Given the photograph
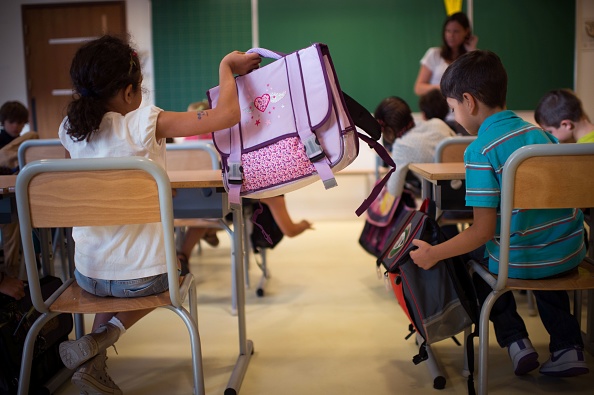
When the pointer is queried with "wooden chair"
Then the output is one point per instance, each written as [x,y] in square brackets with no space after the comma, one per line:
[195,155]
[543,176]
[29,151]
[100,192]
[32,150]
[451,150]
[199,154]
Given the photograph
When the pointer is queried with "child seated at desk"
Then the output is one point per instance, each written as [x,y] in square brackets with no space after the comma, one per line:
[105,120]
[544,243]
[560,112]
[13,118]
[410,142]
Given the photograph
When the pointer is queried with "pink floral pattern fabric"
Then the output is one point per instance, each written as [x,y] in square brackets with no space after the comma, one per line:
[275,164]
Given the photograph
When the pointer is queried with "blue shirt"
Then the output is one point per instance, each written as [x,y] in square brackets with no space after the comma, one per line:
[543,242]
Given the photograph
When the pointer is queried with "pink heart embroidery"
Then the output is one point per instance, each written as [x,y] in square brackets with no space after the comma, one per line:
[262,102]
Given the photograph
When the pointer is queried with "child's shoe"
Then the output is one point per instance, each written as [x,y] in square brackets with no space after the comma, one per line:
[76,352]
[523,356]
[565,363]
[92,378]
[211,237]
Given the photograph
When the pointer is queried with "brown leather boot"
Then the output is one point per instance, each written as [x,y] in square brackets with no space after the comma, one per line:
[76,352]
[92,378]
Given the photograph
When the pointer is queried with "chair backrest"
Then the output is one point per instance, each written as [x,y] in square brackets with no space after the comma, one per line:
[545,176]
[32,150]
[550,176]
[452,149]
[59,193]
[195,155]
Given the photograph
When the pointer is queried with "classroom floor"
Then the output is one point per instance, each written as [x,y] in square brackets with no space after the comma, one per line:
[326,325]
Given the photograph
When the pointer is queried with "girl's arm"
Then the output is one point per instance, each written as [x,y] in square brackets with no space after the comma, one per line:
[422,84]
[481,231]
[224,115]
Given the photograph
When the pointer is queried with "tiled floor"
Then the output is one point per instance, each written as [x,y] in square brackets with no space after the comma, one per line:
[326,325]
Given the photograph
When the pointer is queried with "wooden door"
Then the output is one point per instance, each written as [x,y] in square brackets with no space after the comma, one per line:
[52,34]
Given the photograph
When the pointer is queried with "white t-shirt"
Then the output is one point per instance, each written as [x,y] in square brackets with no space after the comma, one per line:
[128,251]
[416,146]
[434,62]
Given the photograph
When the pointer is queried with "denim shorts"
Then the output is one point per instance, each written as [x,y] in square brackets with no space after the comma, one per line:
[123,288]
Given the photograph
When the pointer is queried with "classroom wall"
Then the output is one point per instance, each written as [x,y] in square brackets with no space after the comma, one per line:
[376,45]
[13,85]
[310,202]
[585,56]
[355,27]
[12,67]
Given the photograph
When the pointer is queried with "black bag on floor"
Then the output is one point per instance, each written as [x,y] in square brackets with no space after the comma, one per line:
[16,317]
[440,302]
[266,232]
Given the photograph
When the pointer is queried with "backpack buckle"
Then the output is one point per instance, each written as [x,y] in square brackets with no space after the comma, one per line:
[313,149]
[235,173]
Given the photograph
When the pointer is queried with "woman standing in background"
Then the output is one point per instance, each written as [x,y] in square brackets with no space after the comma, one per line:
[457,39]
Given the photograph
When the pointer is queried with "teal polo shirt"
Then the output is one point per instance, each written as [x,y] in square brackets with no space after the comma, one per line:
[543,242]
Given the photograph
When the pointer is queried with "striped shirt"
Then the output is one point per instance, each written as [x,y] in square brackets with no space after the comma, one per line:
[543,242]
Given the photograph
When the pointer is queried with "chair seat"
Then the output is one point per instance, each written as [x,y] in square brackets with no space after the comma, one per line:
[582,278]
[76,300]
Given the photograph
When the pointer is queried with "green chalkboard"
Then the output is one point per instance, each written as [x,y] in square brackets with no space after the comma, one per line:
[376,45]
[189,40]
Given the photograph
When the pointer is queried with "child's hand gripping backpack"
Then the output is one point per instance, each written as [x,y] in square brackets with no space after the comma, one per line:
[296,127]
[440,302]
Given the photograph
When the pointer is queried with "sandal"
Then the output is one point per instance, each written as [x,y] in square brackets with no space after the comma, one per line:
[211,238]
[184,262]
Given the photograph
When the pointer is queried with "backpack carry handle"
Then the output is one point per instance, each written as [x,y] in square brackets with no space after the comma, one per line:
[266,53]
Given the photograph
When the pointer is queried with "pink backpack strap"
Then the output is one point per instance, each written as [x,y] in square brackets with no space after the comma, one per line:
[385,155]
[235,171]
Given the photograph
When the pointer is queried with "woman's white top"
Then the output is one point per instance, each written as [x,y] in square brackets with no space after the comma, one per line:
[434,62]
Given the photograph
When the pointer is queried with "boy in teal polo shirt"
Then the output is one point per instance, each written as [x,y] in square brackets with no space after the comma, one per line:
[544,242]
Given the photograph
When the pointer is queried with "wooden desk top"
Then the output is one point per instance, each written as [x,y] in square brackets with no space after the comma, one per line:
[7,184]
[195,178]
[439,171]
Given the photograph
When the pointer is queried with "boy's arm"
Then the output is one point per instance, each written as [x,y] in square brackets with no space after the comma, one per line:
[482,230]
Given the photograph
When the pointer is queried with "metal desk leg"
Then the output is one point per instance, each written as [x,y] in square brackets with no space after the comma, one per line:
[426,189]
[234,257]
[246,249]
[246,347]
[588,336]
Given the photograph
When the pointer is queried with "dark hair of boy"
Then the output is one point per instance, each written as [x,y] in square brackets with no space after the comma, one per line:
[14,111]
[479,73]
[558,105]
[434,105]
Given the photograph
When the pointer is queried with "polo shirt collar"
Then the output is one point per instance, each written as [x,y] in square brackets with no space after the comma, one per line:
[497,117]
